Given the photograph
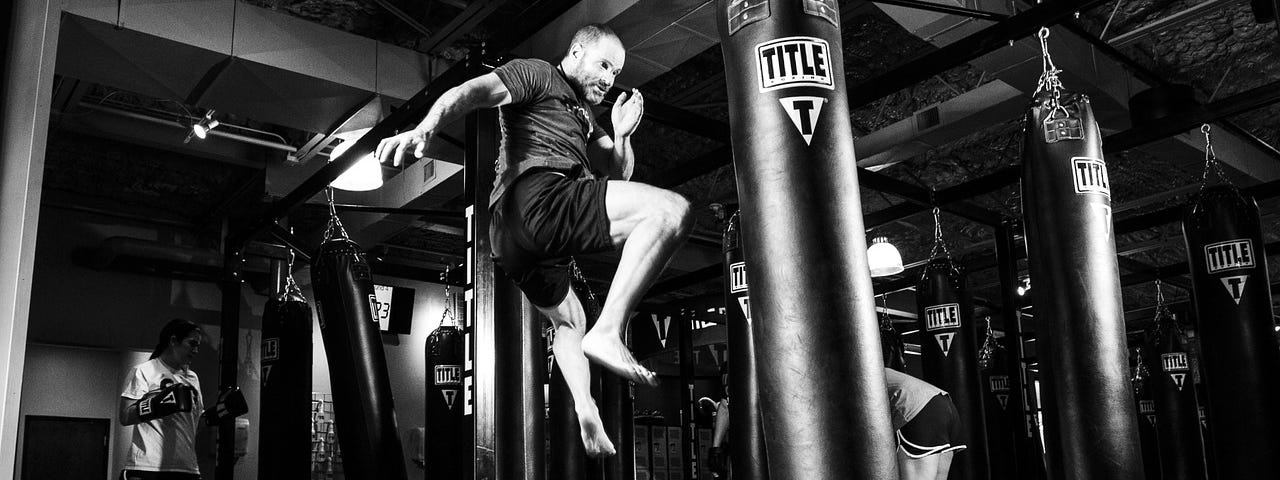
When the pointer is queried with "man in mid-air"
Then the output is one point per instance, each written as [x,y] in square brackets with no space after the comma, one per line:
[563,189]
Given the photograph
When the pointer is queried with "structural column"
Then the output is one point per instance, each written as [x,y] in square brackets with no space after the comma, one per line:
[502,378]
[30,42]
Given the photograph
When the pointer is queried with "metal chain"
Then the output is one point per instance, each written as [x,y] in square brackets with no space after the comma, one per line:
[1211,160]
[938,242]
[1140,372]
[1049,81]
[986,354]
[448,317]
[334,230]
[578,277]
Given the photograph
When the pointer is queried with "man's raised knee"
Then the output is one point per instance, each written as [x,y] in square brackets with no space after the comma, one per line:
[679,214]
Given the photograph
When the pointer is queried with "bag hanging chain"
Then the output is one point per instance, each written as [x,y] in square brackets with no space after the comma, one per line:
[986,354]
[1211,160]
[939,245]
[448,317]
[576,273]
[291,288]
[1049,81]
[1140,372]
[334,230]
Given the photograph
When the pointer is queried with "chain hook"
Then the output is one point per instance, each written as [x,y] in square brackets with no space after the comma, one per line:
[1211,160]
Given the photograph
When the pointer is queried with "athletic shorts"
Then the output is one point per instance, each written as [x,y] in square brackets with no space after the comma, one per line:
[936,429]
[541,221]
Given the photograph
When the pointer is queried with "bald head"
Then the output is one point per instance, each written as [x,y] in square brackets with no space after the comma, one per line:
[594,58]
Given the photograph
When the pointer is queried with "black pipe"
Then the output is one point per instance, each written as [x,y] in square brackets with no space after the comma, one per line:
[229,364]
[947,9]
[1026,449]
[688,402]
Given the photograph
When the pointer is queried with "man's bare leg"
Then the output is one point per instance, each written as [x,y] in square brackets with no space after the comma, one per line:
[570,322]
[648,223]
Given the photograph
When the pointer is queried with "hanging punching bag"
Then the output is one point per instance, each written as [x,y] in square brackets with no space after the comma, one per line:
[949,355]
[1090,430]
[891,345]
[813,315]
[1239,354]
[448,434]
[1173,389]
[1147,422]
[285,398]
[997,399]
[362,403]
[746,451]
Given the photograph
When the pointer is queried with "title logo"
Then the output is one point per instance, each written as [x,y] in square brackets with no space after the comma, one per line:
[1090,175]
[942,316]
[794,62]
[738,277]
[448,375]
[1229,255]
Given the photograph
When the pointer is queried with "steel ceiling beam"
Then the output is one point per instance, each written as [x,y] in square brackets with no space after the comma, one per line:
[462,24]
[964,50]
[944,8]
[1239,103]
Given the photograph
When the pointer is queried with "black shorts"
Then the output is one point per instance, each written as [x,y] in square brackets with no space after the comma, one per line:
[542,220]
[936,429]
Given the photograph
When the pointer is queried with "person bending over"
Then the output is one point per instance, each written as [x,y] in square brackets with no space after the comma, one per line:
[161,401]
[562,189]
[927,424]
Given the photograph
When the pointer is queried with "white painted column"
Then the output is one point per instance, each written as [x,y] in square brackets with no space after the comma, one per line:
[24,125]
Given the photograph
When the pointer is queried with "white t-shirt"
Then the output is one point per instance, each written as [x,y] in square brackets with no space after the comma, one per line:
[166,444]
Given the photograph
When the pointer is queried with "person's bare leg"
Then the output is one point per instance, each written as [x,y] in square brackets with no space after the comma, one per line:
[649,223]
[925,468]
[570,322]
[944,465]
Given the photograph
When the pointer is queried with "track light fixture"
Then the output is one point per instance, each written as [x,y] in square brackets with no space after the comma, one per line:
[201,129]
[365,175]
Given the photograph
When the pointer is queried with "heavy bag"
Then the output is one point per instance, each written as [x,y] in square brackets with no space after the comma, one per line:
[362,403]
[746,450]
[1148,435]
[813,307]
[1090,431]
[1238,349]
[285,398]
[448,433]
[892,346]
[949,355]
[997,400]
[1173,389]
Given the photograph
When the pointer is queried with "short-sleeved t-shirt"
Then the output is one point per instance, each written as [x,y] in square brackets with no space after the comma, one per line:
[166,444]
[546,125]
[907,395]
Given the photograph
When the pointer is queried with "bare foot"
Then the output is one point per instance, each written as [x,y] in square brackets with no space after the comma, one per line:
[594,439]
[609,352]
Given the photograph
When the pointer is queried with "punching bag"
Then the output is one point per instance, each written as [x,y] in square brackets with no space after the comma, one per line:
[1090,430]
[448,434]
[1174,391]
[363,408]
[891,345]
[997,399]
[1148,435]
[949,355]
[1239,355]
[746,450]
[813,317]
[285,433]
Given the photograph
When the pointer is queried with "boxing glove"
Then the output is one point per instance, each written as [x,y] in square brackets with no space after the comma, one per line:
[230,404]
[171,398]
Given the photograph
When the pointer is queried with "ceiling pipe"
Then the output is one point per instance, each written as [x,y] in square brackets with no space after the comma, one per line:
[217,133]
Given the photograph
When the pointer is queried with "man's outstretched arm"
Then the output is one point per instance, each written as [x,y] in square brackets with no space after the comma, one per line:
[485,91]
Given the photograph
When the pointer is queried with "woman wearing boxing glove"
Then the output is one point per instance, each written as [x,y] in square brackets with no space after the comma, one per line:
[161,401]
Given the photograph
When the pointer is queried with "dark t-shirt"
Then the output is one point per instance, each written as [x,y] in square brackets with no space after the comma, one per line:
[546,125]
